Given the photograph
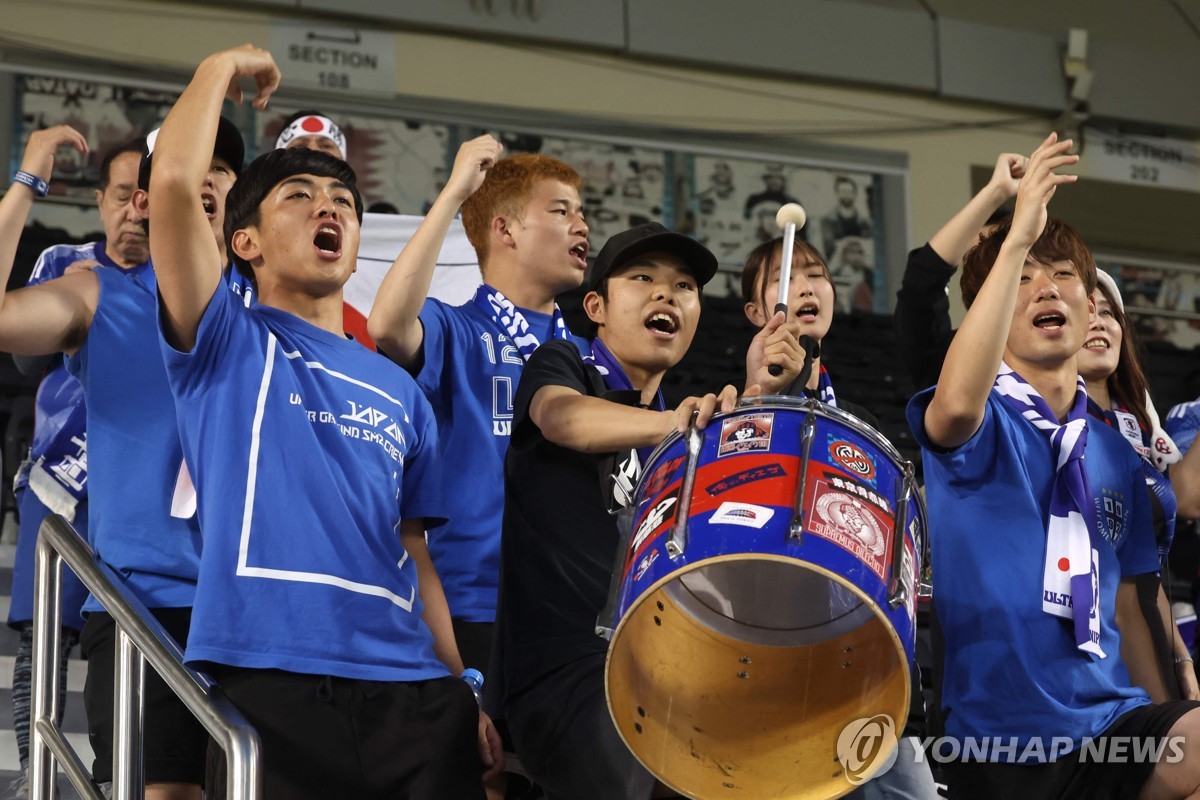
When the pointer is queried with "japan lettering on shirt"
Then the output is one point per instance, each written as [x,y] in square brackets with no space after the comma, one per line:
[360,416]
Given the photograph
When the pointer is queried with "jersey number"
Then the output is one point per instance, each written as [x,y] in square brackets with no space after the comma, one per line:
[508,353]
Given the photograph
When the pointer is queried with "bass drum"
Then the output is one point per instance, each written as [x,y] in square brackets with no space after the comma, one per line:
[764,604]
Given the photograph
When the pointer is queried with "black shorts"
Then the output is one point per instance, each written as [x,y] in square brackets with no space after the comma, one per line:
[474,641]
[328,738]
[175,743]
[1081,774]
[567,740]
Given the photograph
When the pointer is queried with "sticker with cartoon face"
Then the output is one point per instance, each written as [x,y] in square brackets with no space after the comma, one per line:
[746,433]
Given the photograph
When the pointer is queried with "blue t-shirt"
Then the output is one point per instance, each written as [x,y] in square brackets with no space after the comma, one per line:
[1182,424]
[134,449]
[59,447]
[307,451]
[1012,670]
[57,472]
[470,374]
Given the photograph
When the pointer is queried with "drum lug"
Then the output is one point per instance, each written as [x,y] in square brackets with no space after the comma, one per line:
[808,433]
[677,543]
[895,585]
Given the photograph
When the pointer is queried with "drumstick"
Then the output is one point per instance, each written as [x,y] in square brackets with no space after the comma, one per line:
[790,217]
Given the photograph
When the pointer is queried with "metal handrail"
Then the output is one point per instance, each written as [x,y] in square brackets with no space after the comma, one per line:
[140,638]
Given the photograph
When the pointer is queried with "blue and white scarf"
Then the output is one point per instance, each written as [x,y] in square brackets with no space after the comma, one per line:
[825,388]
[1071,578]
[616,380]
[510,320]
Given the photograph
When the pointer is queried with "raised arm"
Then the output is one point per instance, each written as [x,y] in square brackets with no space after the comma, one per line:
[594,425]
[959,235]
[187,262]
[53,316]
[957,408]
[394,323]
[922,316]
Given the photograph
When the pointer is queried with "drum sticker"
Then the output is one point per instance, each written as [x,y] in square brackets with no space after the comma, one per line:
[852,524]
[662,477]
[645,564]
[751,475]
[852,459]
[750,516]
[745,433]
[658,516]
[864,492]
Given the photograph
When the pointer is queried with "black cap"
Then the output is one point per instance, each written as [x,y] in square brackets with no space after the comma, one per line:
[650,238]
[229,147]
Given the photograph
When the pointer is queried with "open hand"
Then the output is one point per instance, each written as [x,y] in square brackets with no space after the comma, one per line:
[1038,185]
[701,409]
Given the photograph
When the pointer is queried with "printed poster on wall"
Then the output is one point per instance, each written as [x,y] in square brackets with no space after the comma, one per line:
[106,114]
[1163,299]
[735,202]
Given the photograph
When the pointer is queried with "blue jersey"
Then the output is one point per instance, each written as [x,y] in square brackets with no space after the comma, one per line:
[135,450]
[307,451]
[470,375]
[1183,423]
[1012,670]
[58,455]
[55,476]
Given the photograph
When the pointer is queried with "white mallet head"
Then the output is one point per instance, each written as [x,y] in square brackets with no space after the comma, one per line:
[791,212]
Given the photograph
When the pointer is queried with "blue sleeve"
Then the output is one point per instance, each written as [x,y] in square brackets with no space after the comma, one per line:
[191,373]
[438,336]
[1182,424]
[51,264]
[970,461]
[421,485]
[1138,552]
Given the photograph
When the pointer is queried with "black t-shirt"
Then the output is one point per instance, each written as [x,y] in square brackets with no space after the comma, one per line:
[560,543]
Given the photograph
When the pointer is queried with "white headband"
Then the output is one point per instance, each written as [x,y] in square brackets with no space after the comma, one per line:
[313,125]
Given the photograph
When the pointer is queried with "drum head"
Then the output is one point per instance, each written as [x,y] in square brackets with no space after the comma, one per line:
[735,677]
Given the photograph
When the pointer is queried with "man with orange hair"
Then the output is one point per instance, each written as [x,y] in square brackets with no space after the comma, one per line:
[524,218]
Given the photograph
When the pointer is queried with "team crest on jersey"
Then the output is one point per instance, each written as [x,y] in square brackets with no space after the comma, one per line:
[1116,517]
[746,434]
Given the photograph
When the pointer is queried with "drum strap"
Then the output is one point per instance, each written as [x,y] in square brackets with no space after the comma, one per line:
[1071,577]
[824,389]
[511,321]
